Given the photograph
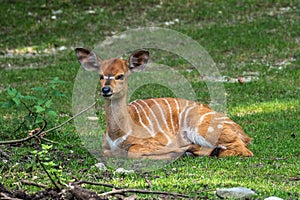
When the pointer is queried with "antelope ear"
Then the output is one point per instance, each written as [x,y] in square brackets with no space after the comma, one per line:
[138,60]
[88,59]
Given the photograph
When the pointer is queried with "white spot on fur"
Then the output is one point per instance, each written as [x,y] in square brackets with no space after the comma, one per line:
[210,129]
[220,126]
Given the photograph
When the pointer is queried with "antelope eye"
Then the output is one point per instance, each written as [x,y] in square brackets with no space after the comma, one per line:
[101,77]
[120,77]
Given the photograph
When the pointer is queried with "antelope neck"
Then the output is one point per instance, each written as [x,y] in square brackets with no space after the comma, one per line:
[117,117]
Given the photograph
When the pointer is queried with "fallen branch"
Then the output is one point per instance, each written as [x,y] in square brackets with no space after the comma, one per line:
[95,183]
[123,191]
[47,131]
[70,119]
[3,196]
[27,138]
[295,179]
[26,182]
[83,194]
[49,141]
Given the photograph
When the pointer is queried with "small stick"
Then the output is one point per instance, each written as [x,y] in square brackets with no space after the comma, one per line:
[49,176]
[147,180]
[122,191]
[67,121]
[5,197]
[95,183]
[27,138]
[50,141]
[26,182]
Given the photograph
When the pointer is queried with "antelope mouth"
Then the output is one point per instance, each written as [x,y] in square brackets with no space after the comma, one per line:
[107,95]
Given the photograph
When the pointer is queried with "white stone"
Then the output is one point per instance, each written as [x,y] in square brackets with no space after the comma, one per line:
[273,198]
[124,171]
[236,192]
[92,118]
[101,166]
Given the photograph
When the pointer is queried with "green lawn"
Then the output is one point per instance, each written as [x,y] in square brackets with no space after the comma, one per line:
[250,39]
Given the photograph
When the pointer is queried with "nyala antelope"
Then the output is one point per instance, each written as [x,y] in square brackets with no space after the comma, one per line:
[158,128]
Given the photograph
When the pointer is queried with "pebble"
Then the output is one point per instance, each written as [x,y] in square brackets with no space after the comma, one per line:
[273,198]
[124,171]
[101,166]
[236,192]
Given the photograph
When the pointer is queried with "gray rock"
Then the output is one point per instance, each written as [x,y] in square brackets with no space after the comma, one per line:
[101,166]
[273,198]
[236,193]
[124,171]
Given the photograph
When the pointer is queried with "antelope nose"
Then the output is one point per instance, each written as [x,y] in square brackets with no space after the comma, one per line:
[106,90]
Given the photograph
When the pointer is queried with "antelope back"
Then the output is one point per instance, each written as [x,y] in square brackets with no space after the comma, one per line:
[168,118]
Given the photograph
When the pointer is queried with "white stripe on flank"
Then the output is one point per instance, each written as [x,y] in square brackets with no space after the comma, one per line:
[157,122]
[150,122]
[171,114]
[177,106]
[164,120]
[182,111]
[140,120]
[203,116]
[229,122]
[153,115]
[221,118]
[187,113]
[177,113]
[162,113]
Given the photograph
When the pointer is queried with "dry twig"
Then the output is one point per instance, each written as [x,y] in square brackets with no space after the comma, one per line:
[95,183]
[26,182]
[3,196]
[47,131]
[49,176]
[123,191]
[27,138]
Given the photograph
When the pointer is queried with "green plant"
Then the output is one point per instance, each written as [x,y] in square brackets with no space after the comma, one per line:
[52,169]
[37,104]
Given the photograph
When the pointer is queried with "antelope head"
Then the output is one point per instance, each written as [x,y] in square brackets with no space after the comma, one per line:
[113,72]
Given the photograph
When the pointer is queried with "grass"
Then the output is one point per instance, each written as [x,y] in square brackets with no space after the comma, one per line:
[243,37]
